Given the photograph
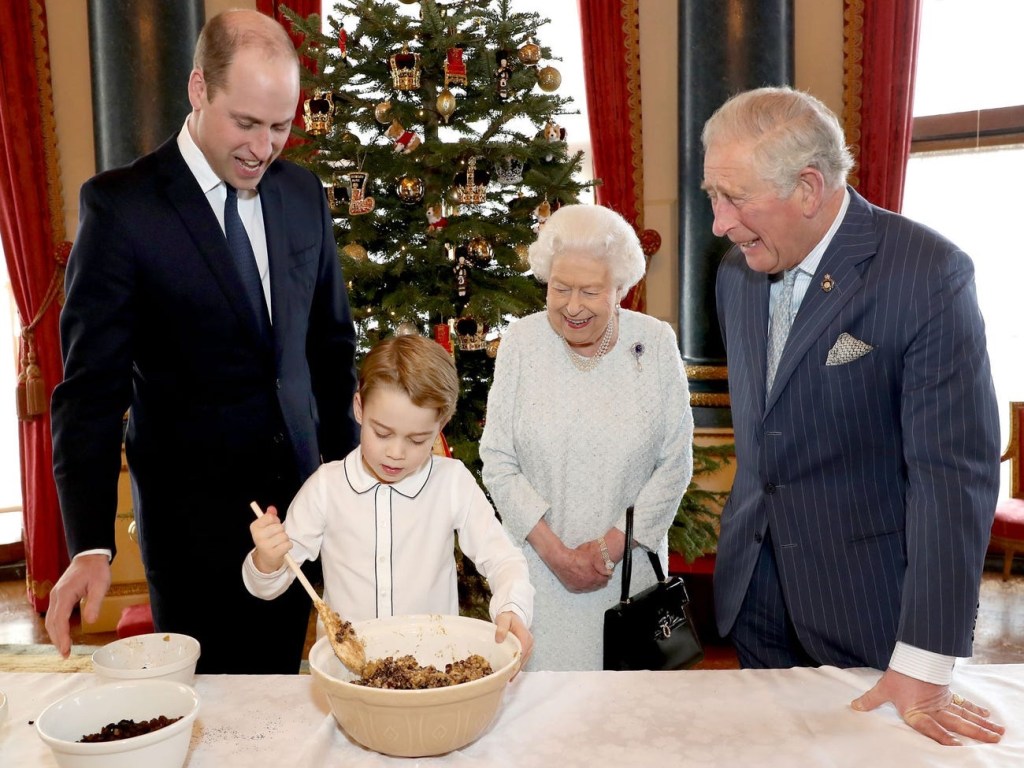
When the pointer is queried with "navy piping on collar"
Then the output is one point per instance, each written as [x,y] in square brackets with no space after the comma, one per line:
[393,486]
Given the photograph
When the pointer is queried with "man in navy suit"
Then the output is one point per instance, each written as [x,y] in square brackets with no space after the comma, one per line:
[233,395]
[867,438]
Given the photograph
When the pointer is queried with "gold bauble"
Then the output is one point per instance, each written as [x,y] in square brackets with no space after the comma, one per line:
[446,104]
[523,252]
[480,251]
[411,189]
[549,78]
[355,251]
[529,54]
[382,112]
[406,328]
[492,347]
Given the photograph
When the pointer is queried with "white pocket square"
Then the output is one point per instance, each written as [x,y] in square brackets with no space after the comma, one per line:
[847,349]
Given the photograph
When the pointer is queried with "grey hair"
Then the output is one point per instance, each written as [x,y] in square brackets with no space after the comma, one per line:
[595,231]
[790,130]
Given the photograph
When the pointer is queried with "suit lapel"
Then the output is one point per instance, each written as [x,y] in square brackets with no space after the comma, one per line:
[756,299]
[277,252]
[855,241]
[201,223]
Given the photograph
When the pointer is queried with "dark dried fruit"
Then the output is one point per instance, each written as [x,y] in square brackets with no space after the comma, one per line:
[125,729]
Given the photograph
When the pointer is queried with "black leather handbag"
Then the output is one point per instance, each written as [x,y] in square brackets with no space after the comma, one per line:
[652,630]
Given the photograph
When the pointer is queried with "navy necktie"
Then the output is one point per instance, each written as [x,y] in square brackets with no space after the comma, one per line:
[244,258]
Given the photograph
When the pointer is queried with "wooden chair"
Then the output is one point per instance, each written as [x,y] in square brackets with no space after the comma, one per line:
[1008,525]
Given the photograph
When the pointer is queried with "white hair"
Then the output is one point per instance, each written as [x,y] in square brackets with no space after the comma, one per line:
[595,231]
[790,130]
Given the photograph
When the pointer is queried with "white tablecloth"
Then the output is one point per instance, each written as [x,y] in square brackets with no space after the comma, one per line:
[798,717]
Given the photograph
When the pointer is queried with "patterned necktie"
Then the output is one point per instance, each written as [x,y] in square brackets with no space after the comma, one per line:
[782,320]
[245,259]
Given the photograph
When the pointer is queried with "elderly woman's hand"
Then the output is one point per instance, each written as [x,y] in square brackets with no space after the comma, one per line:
[580,570]
[583,569]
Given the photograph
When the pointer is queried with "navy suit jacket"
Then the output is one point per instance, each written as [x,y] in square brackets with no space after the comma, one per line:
[219,414]
[877,478]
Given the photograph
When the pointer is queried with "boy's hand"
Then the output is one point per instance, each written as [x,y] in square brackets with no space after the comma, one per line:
[272,543]
[509,621]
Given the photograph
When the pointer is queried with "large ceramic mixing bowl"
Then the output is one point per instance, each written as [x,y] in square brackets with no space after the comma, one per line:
[416,723]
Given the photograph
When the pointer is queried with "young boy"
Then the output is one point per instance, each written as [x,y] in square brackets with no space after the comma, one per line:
[384,518]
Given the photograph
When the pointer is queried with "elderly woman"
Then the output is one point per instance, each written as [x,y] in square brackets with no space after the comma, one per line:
[589,414]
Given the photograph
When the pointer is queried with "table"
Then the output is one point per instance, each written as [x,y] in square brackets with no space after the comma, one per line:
[735,718]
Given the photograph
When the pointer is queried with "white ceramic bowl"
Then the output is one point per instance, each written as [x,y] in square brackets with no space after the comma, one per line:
[156,656]
[67,720]
[421,722]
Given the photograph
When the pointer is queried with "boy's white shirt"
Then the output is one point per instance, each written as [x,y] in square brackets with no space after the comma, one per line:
[388,549]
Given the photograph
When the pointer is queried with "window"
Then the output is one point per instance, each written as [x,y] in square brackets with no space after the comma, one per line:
[10,461]
[967,159]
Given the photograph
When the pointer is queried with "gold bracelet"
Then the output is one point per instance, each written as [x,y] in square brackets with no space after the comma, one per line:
[604,553]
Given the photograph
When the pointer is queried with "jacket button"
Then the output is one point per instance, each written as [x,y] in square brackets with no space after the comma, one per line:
[758,538]
[769,488]
[278,438]
[277,383]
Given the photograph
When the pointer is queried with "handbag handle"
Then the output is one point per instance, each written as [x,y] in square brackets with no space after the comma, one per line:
[627,559]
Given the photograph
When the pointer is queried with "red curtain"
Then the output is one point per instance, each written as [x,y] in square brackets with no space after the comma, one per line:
[32,228]
[880,52]
[611,67]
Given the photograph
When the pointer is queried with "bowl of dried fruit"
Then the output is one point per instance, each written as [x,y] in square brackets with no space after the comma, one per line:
[157,656]
[127,724]
[432,684]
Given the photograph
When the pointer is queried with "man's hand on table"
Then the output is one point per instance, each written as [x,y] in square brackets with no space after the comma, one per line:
[930,709]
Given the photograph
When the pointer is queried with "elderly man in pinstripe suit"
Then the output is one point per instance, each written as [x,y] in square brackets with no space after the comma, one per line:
[865,420]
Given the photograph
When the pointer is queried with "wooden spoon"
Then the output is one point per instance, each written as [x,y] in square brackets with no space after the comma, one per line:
[346,644]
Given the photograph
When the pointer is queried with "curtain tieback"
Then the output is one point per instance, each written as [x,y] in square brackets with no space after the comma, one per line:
[31,390]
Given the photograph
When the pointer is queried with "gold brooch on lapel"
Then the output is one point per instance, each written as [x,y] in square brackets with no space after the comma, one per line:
[827,283]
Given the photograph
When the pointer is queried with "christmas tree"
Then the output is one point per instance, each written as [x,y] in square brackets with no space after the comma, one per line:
[434,126]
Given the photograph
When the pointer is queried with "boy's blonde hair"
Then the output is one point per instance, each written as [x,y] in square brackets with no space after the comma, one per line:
[415,365]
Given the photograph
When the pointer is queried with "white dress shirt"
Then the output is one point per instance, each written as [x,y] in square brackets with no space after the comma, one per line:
[388,549]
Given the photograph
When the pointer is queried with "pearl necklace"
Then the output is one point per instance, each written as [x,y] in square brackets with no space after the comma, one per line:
[589,363]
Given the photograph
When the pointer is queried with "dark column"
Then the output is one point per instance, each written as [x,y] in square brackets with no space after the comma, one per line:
[141,54]
[725,46]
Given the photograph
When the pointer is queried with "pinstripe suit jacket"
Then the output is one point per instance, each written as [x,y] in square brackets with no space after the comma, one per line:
[878,478]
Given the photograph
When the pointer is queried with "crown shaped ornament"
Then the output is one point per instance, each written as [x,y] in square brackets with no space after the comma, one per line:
[454,68]
[471,184]
[405,70]
[509,170]
[318,112]
[471,334]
